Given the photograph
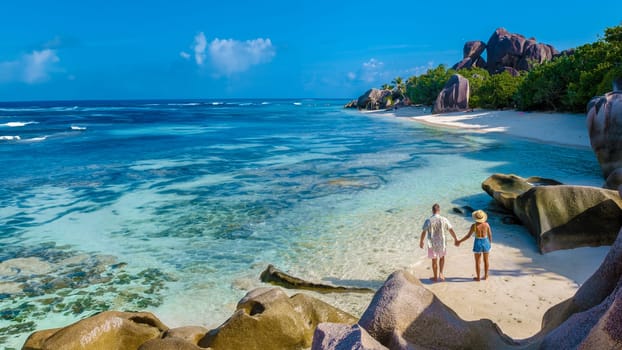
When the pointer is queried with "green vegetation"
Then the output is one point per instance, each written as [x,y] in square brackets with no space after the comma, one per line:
[566,83]
[427,86]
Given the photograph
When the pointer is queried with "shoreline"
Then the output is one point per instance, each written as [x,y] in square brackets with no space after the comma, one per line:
[523,283]
[564,129]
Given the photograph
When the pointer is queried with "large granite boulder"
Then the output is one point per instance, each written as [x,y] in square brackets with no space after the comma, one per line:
[374,99]
[190,334]
[472,52]
[266,318]
[566,217]
[168,344]
[535,53]
[473,49]
[110,330]
[333,336]
[504,188]
[454,96]
[591,319]
[405,315]
[470,62]
[504,49]
[604,124]
[513,52]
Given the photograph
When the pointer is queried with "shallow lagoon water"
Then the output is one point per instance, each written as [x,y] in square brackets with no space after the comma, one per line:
[176,207]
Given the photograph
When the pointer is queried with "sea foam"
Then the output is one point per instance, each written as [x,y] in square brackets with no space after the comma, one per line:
[10,138]
[17,124]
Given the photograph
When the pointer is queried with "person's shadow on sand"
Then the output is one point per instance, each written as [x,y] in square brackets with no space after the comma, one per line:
[447,280]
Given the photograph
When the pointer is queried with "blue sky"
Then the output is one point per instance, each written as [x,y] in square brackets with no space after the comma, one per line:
[67,50]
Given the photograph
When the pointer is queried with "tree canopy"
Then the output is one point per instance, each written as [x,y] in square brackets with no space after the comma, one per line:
[566,83]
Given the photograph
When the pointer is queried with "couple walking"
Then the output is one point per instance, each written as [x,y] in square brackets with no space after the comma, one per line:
[435,229]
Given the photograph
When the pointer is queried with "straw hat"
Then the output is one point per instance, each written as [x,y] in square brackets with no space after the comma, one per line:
[479,216]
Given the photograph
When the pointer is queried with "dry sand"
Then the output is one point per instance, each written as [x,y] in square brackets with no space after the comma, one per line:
[523,284]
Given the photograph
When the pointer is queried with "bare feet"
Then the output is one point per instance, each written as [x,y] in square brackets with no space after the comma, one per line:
[442,277]
[433,279]
[476,279]
[485,277]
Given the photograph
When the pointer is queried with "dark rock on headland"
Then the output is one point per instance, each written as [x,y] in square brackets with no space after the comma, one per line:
[454,96]
[604,124]
[374,99]
[509,52]
[277,277]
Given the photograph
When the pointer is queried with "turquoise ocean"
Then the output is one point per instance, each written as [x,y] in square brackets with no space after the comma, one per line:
[175,207]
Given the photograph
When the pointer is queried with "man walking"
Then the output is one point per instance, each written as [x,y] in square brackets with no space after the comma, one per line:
[436,228]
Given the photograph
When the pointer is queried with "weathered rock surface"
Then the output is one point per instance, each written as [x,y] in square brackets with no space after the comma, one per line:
[473,49]
[558,216]
[277,277]
[566,217]
[405,315]
[535,53]
[472,52]
[168,344]
[266,318]
[332,336]
[351,104]
[110,330]
[454,96]
[505,188]
[191,334]
[591,319]
[604,124]
[506,52]
[504,49]
[374,99]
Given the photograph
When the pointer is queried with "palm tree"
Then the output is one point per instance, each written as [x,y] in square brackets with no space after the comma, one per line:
[386,87]
[400,86]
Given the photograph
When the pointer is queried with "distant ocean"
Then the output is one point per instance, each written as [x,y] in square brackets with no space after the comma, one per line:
[176,207]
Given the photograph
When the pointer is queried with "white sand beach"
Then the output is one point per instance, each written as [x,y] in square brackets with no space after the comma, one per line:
[558,128]
[523,283]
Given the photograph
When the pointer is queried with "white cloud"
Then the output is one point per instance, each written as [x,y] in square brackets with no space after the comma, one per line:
[351,76]
[230,56]
[372,71]
[31,68]
[184,55]
[200,43]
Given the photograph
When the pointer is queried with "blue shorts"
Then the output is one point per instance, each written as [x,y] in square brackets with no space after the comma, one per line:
[481,245]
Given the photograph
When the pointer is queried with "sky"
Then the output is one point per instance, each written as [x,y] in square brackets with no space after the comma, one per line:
[185,49]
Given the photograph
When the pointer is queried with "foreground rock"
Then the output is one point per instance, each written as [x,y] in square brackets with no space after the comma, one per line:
[559,216]
[604,123]
[405,315]
[454,97]
[111,330]
[591,319]
[277,277]
[266,318]
[332,336]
